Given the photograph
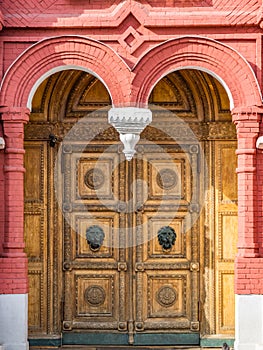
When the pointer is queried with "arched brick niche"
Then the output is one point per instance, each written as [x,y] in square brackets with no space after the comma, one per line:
[201,53]
[60,53]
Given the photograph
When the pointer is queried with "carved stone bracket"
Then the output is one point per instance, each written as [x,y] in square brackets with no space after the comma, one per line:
[129,122]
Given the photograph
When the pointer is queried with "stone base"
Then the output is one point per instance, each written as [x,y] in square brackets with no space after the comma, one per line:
[13,321]
[249,322]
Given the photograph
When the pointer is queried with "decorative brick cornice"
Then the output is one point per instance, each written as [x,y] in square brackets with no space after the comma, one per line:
[252,113]
[50,13]
[1,20]
[15,114]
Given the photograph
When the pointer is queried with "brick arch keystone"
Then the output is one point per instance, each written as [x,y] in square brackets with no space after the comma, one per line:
[209,55]
[65,52]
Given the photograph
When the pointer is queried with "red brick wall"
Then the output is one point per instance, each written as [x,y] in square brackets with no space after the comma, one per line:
[13,276]
[249,276]
[139,42]
[2,195]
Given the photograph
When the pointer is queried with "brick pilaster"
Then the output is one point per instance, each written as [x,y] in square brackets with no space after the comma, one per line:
[247,124]
[248,270]
[13,262]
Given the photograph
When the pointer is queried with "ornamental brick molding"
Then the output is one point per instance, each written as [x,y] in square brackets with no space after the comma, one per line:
[112,13]
[200,53]
[129,86]
[60,53]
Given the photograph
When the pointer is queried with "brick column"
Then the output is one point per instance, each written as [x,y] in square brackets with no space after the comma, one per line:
[248,263]
[13,261]
[247,124]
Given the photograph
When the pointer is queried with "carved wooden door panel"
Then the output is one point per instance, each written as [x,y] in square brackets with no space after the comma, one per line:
[131,256]
[167,263]
[226,238]
[94,270]
[35,222]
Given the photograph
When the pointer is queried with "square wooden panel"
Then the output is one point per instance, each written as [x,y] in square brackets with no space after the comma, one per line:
[96,294]
[182,245]
[94,179]
[166,178]
[168,295]
[106,222]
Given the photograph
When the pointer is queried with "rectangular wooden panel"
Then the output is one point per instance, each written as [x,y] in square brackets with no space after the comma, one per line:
[227,241]
[95,303]
[166,301]
[33,235]
[107,222]
[226,234]
[166,284]
[154,223]
[35,228]
[227,301]
[95,294]
[228,178]
[94,267]
[93,178]
[34,178]
[34,301]
[167,177]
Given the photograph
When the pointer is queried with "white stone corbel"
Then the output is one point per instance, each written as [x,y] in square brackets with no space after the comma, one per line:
[129,122]
[2,143]
[259,143]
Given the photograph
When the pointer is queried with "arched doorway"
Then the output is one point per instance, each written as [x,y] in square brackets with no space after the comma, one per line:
[139,292]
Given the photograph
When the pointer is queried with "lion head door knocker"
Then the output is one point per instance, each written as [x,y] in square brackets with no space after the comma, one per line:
[166,237]
[95,236]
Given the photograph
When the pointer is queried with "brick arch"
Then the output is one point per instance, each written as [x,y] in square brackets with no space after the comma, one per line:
[205,54]
[65,52]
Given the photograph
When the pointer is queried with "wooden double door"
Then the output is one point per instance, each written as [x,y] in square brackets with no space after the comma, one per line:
[130,245]
[126,286]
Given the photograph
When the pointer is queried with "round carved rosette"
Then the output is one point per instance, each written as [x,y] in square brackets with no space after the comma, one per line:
[94,179]
[94,295]
[166,296]
[167,179]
